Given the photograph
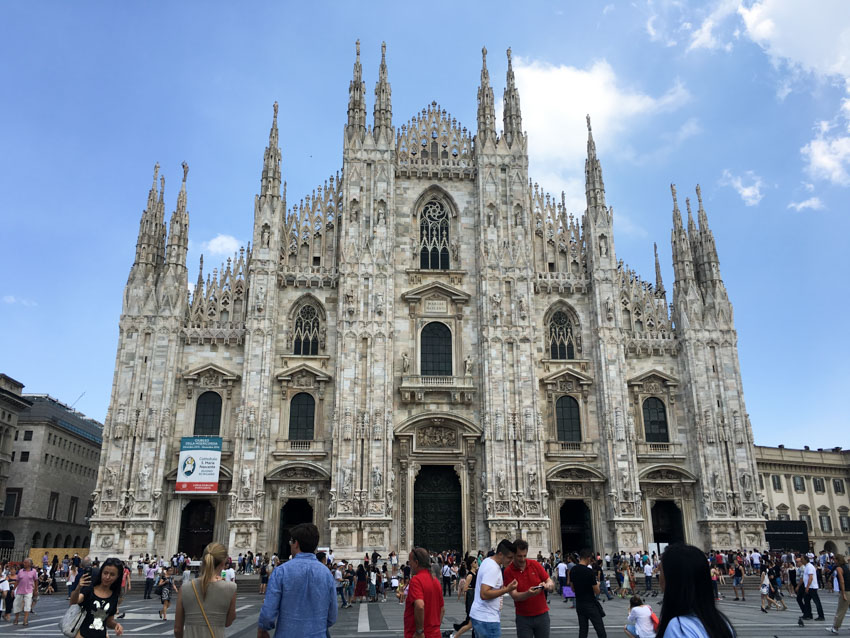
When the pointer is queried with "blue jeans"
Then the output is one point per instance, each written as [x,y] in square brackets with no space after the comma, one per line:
[486,629]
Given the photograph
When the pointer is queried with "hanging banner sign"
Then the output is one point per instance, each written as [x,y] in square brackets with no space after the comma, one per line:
[200,461]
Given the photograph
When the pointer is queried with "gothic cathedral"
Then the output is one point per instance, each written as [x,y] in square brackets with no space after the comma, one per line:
[427,350]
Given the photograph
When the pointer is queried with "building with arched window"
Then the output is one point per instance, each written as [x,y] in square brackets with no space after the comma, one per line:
[431,350]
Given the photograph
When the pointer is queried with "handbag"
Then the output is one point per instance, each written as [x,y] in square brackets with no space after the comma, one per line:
[201,605]
[654,619]
[71,621]
[600,609]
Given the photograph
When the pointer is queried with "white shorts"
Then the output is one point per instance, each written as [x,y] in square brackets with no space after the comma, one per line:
[23,602]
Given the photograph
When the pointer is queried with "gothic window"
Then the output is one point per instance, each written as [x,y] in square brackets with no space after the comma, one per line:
[306,331]
[776,480]
[655,421]
[208,414]
[568,419]
[302,412]
[434,237]
[436,350]
[560,337]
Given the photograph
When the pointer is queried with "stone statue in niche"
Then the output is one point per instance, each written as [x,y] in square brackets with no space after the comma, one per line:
[145,478]
[379,303]
[346,482]
[246,482]
[500,483]
[405,362]
[467,366]
[266,235]
[523,307]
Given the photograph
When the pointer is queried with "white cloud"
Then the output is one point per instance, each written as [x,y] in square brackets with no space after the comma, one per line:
[221,245]
[748,186]
[556,99]
[814,203]
[608,8]
[705,36]
[20,301]
[828,158]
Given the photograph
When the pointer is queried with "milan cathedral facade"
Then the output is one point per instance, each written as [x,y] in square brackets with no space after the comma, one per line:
[427,349]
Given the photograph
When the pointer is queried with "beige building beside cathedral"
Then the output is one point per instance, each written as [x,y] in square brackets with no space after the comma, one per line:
[428,349]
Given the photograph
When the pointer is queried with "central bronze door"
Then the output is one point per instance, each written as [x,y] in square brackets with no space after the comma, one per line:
[437,518]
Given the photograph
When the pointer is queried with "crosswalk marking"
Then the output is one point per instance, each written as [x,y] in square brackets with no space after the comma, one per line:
[244,607]
[153,624]
[363,619]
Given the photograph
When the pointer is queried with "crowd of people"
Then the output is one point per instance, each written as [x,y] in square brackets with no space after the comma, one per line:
[315,585]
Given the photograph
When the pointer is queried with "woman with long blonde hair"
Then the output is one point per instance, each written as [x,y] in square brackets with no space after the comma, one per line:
[208,604]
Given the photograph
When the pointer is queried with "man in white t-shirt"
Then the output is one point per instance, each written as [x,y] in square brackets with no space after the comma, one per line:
[486,609]
[230,574]
[647,574]
[810,588]
[756,559]
[562,576]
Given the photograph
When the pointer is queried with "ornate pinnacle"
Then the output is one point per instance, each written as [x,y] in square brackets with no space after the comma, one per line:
[185,171]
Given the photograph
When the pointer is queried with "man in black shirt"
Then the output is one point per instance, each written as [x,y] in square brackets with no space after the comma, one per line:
[586,589]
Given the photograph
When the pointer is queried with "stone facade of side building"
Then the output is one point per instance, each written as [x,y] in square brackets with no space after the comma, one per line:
[428,349]
[811,486]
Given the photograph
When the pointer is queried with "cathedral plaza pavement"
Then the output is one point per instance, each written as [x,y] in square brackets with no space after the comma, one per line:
[385,619]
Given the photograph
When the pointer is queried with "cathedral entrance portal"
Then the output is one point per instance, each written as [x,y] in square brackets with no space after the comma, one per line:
[196,528]
[576,528]
[667,524]
[437,519]
[294,512]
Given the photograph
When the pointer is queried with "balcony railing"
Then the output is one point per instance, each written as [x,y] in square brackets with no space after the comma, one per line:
[287,448]
[571,448]
[415,387]
[646,448]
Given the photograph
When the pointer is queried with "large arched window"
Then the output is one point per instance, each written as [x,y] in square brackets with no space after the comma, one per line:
[559,335]
[302,412]
[208,414]
[568,419]
[434,237]
[436,351]
[655,421]
[306,331]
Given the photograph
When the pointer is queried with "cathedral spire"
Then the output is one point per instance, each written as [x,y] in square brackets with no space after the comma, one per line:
[677,214]
[270,181]
[710,263]
[683,266]
[593,184]
[512,116]
[178,227]
[692,227]
[148,239]
[356,100]
[659,284]
[486,108]
[383,109]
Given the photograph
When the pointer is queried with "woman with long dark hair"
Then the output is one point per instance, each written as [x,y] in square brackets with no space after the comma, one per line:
[688,610]
[98,597]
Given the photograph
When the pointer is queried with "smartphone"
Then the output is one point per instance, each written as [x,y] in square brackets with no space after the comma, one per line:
[536,587]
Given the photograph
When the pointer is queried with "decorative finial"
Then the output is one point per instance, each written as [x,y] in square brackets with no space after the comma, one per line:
[162,184]
[275,110]
[509,55]
[688,205]
[155,175]
[185,171]
[699,196]
[587,117]
[673,190]
[383,51]
[357,44]
[484,56]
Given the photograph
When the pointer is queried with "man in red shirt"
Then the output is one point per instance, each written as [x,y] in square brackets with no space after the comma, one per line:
[532,612]
[423,611]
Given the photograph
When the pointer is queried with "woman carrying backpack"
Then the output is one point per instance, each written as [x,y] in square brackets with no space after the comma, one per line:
[166,587]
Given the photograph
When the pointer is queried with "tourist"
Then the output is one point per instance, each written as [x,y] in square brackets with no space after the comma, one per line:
[639,623]
[842,574]
[301,597]
[361,589]
[469,595]
[446,572]
[98,596]
[586,589]
[150,578]
[647,575]
[264,576]
[166,588]
[562,578]
[340,584]
[489,589]
[766,591]
[688,609]
[738,581]
[424,608]
[532,612]
[26,592]
[808,585]
[206,606]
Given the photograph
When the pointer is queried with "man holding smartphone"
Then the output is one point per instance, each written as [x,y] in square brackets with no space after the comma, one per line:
[532,612]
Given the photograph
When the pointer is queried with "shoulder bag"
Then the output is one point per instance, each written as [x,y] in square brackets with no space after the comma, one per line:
[201,605]
[71,621]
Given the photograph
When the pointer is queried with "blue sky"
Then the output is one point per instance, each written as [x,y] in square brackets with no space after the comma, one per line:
[751,100]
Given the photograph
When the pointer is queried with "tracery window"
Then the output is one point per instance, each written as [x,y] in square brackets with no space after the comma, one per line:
[434,237]
[655,421]
[208,414]
[561,341]
[306,340]
[568,419]
[302,413]
[436,350]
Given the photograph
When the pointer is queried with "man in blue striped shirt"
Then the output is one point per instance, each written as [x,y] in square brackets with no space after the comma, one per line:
[301,595]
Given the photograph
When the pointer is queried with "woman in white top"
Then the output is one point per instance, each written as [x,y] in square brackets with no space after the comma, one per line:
[639,623]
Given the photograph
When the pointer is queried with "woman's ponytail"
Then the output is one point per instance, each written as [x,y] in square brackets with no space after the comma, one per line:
[214,556]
